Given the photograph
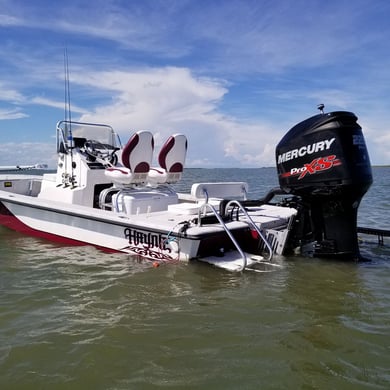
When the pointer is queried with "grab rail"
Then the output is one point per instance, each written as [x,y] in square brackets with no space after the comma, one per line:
[242,209]
[381,233]
[220,220]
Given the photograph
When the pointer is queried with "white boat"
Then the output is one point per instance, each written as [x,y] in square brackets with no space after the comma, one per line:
[108,195]
[16,168]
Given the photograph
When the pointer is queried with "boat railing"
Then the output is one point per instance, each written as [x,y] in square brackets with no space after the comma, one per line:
[202,210]
[250,221]
[380,233]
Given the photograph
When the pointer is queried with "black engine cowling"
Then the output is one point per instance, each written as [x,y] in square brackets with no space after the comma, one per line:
[324,161]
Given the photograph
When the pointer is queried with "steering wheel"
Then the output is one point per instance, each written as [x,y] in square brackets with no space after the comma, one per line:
[97,150]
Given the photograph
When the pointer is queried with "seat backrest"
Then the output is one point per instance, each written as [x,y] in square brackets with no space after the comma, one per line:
[138,152]
[172,157]
[220,190]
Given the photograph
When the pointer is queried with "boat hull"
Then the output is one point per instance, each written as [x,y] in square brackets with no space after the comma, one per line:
[180,231]
[78,227]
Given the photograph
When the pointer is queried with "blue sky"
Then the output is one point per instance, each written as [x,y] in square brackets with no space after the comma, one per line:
[233,75]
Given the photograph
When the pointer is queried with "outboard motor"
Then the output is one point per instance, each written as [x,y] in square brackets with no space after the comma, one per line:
[324,162]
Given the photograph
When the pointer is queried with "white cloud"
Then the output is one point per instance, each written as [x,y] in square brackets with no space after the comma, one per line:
[10,94]
[38,100]
[382,148]
[169,100]
[7,20]
[13,113]
[25,153]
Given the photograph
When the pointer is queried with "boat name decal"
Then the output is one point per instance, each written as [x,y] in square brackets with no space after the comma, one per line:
[319,164]
[150,253]
[146,240]
[319,146]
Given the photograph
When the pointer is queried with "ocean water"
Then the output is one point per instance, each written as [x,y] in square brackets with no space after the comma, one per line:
[78,318]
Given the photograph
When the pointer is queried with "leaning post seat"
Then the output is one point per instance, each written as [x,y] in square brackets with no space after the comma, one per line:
[171,159]
[136,159]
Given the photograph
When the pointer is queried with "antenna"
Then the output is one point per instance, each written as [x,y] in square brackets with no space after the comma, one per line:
[321,107]
[67,87]
[68,117]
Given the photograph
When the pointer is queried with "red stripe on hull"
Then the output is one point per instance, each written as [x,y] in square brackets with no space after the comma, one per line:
[9,220]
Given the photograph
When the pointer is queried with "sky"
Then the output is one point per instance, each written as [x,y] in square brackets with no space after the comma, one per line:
[232,75]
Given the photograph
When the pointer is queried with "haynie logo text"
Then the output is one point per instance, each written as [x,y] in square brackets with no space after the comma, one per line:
[319,146]
[319,164]
[147,240]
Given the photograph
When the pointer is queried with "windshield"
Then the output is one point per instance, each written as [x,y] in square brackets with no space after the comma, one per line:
[82,132]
